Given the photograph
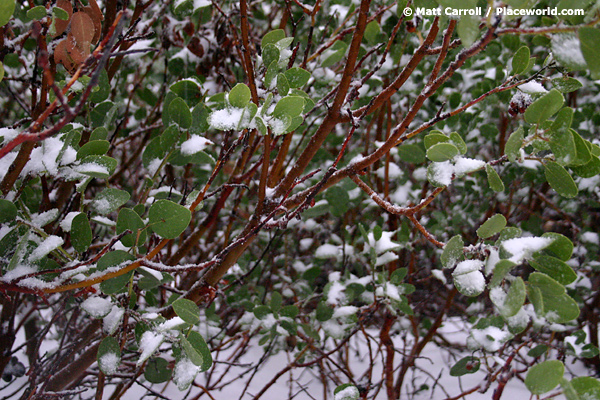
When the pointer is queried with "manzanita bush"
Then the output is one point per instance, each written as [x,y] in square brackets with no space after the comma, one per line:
[185,181]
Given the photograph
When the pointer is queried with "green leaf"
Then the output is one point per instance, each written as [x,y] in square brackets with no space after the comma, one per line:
[169,219]
[441,152]
[537,351]
[290,311]
[544,377]
[187,310]
[589,42]
[261,311]
[350,392]
[589,170]
[338,200]
[435,137]
[283,87]
[129,219]
[453,251]
[587,387]
[562,145]
[520,60]
[544,107]
[100,133]
[272,37]
[95,166]
[180,113]
[566,84]
[109,355]
[561,247]
[554,268]
[512,149]
[411,153]
[157,370]
[109,200]
[584,155]
[81,233]
[94,147]
[515,298]
[200,347]
[468,29]
[560,180]
[334,55]
[239,96]
[192,354]
[297,77]
[323,312]
[1,71]
[117,284]
[465,366]
[275,303]
[270,56]
[7,8]
[547,285]
[371,31]
[188,90]
[291,106]
[494,179]
[501,268]
[36,13]
[113,259]
[492,226]
[458,141]
[8,211]
[60,13]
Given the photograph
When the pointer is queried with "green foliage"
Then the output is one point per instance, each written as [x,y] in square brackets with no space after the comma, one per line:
[544,377]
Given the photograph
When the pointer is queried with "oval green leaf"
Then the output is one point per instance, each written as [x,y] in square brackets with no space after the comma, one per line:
[291,106]
[157,370]
[169,219]
[7,8]
[494,179]
[94,147]
[187,310]
[544,377]
[109,355]
[36,13]
[435,137]
[272,37]
[81,233]
[515,298]
[561,247]
[492,226]
[554,268]
[465,366]
[109,200]
[8,211]
[544,107]
[411,153]
[180,113]
[520,60]
[512,148]
[297,77]
[239,96]
[441,152]
[560,180]
[453,251]
[129,219]
[589,42]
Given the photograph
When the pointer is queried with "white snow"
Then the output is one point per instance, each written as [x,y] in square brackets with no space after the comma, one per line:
[97,307]
[532,87]
[590,237]
[336,294]
[327,251]
[464,165]
[65,224]
[490,338]
[111,322]
[344,311]
[468,278]
[43,158]
[442,172]
[184,373]
[225,119]
[50,243]
[523,248]
[149,343]
[194,144]
[384,244]
[348,393]
[566,50]
[110,363]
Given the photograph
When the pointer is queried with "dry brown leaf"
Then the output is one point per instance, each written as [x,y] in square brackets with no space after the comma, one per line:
[82,29]
[74,50]
[97,23]
[59,24]
[61,56]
